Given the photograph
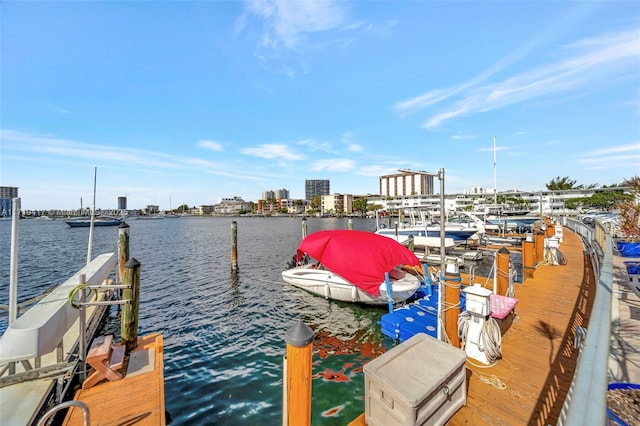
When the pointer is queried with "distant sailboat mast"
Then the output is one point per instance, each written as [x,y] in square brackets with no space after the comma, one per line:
[495,190]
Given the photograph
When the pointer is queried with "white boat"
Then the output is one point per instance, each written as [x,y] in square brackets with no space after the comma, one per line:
[436,259]
[472,255]
[424,231]
[323,282]
[85,222]
[353,266]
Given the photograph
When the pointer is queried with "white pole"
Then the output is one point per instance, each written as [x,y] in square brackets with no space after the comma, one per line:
[93,215]
[13,272]
[495,188]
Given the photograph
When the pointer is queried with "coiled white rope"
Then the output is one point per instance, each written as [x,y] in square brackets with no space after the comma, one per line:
[463,327]
[490,341]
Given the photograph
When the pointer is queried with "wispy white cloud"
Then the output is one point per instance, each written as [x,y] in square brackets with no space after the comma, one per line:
[633,148]
[273,151]
[613,157]
[47,148]
[333,165]
[347,139]
[376,170]
[287,23]
[460,136]
[588,63]
[212,145]
[316,145]
[58,109]
[51,145]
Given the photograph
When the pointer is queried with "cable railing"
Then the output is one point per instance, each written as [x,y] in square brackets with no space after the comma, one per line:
[586,401]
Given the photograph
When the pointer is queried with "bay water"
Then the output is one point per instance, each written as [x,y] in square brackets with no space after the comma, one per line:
[223,332]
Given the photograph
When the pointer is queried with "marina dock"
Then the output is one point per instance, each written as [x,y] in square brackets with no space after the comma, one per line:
[530,383]
[138,398]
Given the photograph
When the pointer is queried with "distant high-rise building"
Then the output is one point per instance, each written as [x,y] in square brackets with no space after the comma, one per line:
[122,203]
[315,188]
[278,194]
[282,194]
[268,195]
[406,183]
[7,194]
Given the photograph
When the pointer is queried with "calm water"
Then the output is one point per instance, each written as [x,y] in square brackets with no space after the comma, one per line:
[223,334]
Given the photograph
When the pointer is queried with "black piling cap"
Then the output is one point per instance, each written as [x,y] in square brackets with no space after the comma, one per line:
[299,335]
[132,263]
[503,250]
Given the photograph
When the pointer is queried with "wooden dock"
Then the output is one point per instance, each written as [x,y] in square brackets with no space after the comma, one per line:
[137,398]
[529,384]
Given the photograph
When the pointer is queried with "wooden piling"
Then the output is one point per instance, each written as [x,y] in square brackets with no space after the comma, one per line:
[298,371]
[123,248]
[234,245]
[452,304]
[528,259]
[551,230]
[539,245]
[350,224]
[129,313]
[502,271]
[411,244]
[304,228]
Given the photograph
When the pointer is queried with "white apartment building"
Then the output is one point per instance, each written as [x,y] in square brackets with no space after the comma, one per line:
[337,204]
[546,202]
[406,183]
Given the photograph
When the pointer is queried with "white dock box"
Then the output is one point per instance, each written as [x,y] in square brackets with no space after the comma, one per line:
[422,381]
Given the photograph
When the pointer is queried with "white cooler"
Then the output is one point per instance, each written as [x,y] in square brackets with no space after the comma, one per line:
[422,381]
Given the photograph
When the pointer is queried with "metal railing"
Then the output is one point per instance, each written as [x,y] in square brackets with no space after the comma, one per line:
[586,401]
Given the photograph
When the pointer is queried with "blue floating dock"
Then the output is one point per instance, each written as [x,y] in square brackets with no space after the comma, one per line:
[420,316]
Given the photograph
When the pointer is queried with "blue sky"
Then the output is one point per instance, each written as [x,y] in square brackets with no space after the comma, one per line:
[188,102]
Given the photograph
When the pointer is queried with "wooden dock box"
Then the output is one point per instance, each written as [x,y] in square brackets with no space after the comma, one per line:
[422,381]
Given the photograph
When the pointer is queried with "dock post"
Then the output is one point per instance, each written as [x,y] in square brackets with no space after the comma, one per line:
[350,224]
[411,245]
[502,271]
[129,313]
[297,380]
[304,228]
[528,257]
[234,245]
[539,244]
[123,249]
[451,303]
[551,229]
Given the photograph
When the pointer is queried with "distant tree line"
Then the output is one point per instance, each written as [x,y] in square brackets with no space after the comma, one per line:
[600,200]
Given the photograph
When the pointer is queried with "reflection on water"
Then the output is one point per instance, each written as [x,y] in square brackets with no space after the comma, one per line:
[223,331]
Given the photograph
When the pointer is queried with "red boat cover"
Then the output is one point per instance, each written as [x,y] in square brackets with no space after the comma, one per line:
[360,257]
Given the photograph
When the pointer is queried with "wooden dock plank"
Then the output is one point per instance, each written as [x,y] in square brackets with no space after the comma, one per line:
[136,399]
[529,384]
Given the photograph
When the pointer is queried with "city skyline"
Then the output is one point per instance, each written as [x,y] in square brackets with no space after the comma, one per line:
[188,102]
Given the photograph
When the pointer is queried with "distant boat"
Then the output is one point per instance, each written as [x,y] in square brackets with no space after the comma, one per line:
[150,217]
[352,266]
[421,227]
[44,217]
[85,222]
